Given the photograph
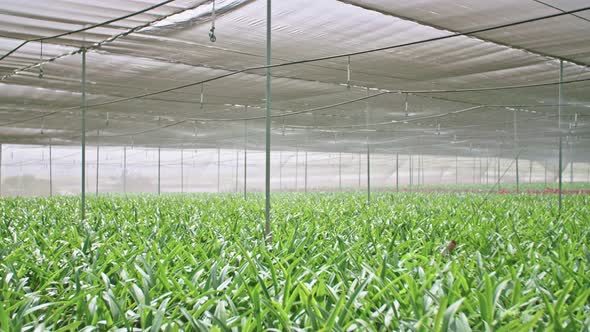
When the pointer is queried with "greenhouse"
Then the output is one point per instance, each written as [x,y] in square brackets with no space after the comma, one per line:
[294,165]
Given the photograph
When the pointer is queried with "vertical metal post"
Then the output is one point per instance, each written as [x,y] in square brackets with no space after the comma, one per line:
[480,177]
[422,166]
[268,103]
[530,171]
[368,172]
[305,172]
[97,157]
[397,172]
[124,169]
[560,95]
[50,169]
[473,169]
[498,172]
[296,170]
[340,171]
[423,173]
[571,165]
[457,170]
[545,168]
[359,170]
[218,171]
[237,168]
[281,170]
[0,170]
[159,163]
[517,177]
[487,170]
[410,170]
[417,171]
[515,123]
[83,164]
[182,170]
[245,155]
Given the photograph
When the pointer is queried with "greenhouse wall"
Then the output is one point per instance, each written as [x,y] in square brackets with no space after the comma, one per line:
[25,171]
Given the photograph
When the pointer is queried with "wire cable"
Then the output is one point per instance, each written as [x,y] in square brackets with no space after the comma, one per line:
[160,4]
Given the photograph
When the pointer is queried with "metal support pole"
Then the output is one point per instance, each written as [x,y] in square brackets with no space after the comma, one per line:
[97,158]
[397,172]
[571,164]
[280,170]
[340,171]
[560,92]
[515,123]
[245,155]
[159,163]
[487,170]
[410,170]
[237,168]
[545,168]
[125,169]
[305,171]
[0,170]
[182,170]
[218,171]
[83,164]
[473,170]
[517,177]
[530,171]
[359,170]
[423,176]
[457,170]
[268,103]
[50,169]
[498,173]
[480,180]
[296,169]
[418,171]
[368,173]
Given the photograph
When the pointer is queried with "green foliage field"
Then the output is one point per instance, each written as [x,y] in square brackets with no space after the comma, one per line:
[200,263]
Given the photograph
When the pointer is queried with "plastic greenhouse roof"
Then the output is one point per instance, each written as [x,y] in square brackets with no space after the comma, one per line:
[492,92]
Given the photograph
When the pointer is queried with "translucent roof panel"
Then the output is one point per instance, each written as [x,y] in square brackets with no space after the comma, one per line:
[399,76]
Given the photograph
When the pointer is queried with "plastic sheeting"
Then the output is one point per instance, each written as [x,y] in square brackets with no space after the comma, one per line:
[415,104]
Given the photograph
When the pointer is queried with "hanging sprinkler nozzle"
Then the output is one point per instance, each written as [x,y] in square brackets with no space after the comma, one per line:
[212,37]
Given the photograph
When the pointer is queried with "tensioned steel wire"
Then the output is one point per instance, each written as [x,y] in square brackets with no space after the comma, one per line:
[304,61]
[93,26]
[350,101]
[374,142]
[385,123]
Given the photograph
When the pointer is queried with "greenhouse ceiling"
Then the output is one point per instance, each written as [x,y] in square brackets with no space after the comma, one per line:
[446,77]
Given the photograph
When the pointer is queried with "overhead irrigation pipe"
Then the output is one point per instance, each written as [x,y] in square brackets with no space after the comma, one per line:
[350,101]
[40,39]
[505,87]
[541,116]
[268,65]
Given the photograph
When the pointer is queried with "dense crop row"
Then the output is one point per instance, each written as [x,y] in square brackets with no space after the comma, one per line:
[200,263]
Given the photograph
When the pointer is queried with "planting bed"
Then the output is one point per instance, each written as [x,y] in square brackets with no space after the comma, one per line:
[201,263]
